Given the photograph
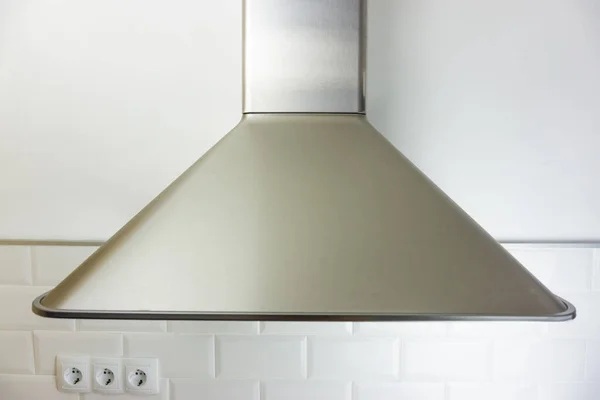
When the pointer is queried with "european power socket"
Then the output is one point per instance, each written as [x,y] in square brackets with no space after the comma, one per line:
[107,375]
[141,375]
[73,374]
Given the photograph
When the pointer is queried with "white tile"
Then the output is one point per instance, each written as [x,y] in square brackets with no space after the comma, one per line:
[429,360]
[306,390]
[51,264]
[15,265]
[353,358]
[541,360]
[48,344]
[500,329]
[587,323]
[307,328]
[592,367]
[398,391]
[112,325]
[181,356]
[16,352]
[192,389]
[214,327]
[20,387]
[560,269]
[261,357]
[19,315]
[162,395]
[491,391]
[570,391]
[402,329]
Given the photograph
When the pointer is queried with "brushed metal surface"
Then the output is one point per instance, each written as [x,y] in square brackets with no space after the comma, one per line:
[306,217]
[304,56]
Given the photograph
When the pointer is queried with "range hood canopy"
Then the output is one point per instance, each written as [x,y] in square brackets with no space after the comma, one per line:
[303,211]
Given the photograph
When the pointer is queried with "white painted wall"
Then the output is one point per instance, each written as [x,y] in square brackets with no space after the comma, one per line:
[102,104]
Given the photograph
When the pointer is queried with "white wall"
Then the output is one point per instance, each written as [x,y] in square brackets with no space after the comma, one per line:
[102,104]
[313,361]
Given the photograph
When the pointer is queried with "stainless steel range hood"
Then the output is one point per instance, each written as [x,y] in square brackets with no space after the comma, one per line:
[303,211]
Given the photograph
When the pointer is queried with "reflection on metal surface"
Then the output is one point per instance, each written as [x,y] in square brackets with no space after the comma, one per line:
[304,217]
[304,56]
[43,311]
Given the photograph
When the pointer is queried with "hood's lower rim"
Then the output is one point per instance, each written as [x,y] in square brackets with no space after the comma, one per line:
[43,311]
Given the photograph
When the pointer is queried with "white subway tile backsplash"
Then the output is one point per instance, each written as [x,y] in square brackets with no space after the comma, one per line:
[353,358]
[402,329]
[194,389]
[181,355]
[48,344]
[398,391]
[15,265]
[121,325]
[569,391]
[16,352]
[515,360]
[560,269]
[249,360]
[162,395]
[434,360]
[261,357]
[540,360]
[15,310]
[492,391]
[306,390]
[592,361]
[19,387]
[307,328]
[214,327]
[51,264]
[508,329]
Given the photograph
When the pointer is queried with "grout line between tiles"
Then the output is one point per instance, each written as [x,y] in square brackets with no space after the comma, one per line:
[34,353]
[446,390]
[167,387]
[33,242]
[305,357]
[399,352]
[216,366]
[122,344]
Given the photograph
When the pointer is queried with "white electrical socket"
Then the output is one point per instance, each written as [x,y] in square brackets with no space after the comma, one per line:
[141,375]
[73,374]
[107,375]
